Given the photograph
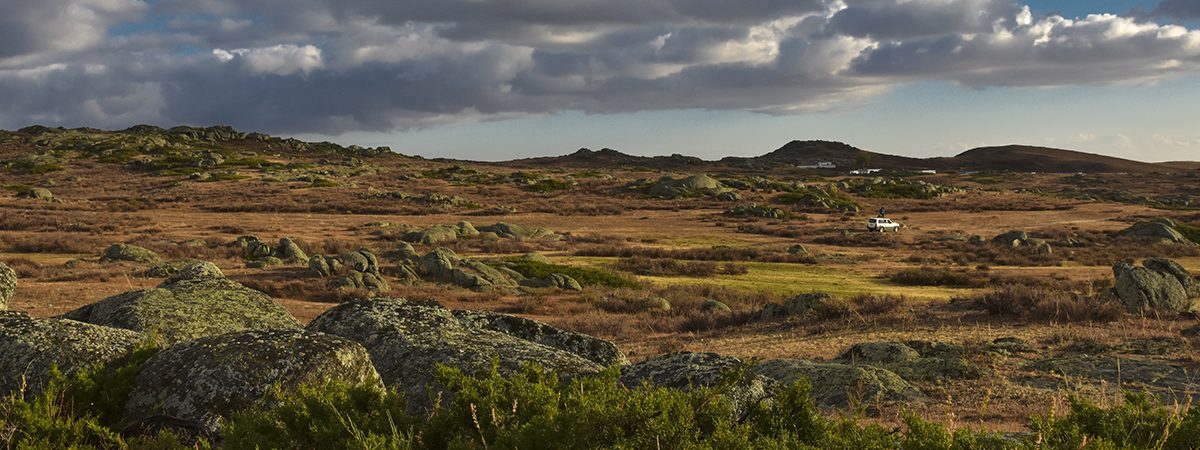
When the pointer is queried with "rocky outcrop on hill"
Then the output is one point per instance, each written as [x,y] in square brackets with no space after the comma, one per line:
[407,340]
[32,346]
[216,375]
[691,186]
[8,284]
[126,252]
[1159,285]
[195,302]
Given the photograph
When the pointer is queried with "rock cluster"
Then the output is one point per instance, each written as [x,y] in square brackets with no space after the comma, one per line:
[440,234]
[260,254]
[691,186]
[350,270]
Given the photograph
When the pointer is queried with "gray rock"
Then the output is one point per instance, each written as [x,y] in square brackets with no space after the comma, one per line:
[126,252]
[594,349]
[8,284]
[712,306]
[444,265]
[290,252]
[465,229]
[554,280]
[914,360]
[32,346]
[265,262]
[1014,238]
[799,305]
[197,301]
[216,375]
[1161,230]
[407,341]
[836,384]
[519,232]
[1159,286]
[686,370]
[433,235]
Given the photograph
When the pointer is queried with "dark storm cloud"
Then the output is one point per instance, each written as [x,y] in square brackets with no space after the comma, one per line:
[332,66]
[1182,9]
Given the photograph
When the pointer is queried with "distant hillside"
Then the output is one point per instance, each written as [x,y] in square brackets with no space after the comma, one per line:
[592,159]
[1009,158]
[1021,158]
[809,153]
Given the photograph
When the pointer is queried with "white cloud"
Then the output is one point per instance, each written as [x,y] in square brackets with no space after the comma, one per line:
[275,60]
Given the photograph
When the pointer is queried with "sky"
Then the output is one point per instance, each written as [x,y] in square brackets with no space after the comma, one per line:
[503,79]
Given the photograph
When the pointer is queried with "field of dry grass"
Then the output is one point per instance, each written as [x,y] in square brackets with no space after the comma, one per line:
[55,248]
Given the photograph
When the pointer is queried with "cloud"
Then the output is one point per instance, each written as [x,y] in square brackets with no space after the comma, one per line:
[1180,9]
[333,66]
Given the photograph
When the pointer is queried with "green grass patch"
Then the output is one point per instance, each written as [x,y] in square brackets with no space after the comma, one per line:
[1189,231]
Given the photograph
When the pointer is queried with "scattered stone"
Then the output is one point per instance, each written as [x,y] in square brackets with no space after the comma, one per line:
[217,375]
[1018,238]
[32,346]
[195,302]
[126,252]
[407,341]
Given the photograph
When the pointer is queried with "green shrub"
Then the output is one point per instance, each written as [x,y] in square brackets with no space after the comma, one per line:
[1189,231]
[1139,423]
[586,276]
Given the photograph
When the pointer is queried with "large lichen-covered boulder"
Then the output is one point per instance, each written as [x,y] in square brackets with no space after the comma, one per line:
[290,252]
[408,340]
[216,375]
[30,347]
[8,284]
[1160,285]
[37,193]
[685,370]
[126,252]
[835,384]
[1162,230]
[1014,238]
[594,349]
[914,360]
[197,301]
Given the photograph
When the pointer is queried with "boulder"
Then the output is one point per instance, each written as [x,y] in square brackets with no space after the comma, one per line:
[433,235]
[798,249]
[36,193]
[914,360]
[265,262]
[1161,230]
[594,349]
[8,284]
[126,252]
[835,384]
[167,268]
[465,229]
[217,375]
[1014,238]
[362,280]
[1160,285]
[408,340]
[686,370]
[713,306]
[444,265]
[195,302]
[32,346]
[554,280]
[290,252]
[798,305]
[519,232]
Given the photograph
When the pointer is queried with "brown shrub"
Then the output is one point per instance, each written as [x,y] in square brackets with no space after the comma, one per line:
[1053,304]
[666,267]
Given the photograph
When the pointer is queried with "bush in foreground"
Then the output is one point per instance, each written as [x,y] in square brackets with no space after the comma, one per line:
[535,409]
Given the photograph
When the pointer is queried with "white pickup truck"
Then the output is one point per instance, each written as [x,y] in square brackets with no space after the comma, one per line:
[882,225]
